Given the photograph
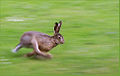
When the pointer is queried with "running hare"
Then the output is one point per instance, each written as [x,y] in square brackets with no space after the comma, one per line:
[40,42]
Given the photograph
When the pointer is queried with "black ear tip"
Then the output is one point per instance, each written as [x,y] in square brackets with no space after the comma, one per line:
[56,23]
[60,21]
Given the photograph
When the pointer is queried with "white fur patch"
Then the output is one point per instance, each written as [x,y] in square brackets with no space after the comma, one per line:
[15,50]
[37,49]
[58,24]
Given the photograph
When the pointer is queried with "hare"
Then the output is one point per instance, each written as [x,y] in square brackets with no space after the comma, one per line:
[40,42]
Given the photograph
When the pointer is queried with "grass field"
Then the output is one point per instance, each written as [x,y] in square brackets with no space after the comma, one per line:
[90,29]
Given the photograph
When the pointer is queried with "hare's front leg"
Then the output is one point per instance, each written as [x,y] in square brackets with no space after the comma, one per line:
[30,54]
[48,56]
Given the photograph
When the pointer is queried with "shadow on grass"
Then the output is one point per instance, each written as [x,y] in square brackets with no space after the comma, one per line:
[30,58]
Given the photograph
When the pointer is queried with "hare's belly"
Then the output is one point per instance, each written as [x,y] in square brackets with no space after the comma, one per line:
[28,46]
[45,48]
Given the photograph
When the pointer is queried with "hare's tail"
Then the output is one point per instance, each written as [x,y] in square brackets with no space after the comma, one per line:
[17,48]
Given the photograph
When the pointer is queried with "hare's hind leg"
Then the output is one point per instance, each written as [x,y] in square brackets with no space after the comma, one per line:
[17,48]
[30,54]
[37,50]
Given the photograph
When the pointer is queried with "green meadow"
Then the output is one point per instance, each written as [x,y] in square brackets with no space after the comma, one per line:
[90,29]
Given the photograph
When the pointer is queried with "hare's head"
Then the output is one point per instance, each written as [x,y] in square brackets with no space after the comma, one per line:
[57,36]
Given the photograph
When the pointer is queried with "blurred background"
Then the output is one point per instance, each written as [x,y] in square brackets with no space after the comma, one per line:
[90,29]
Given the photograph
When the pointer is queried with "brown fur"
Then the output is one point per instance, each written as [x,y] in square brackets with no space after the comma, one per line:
[40,42]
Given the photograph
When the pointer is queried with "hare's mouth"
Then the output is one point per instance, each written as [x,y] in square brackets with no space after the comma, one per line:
[62,42]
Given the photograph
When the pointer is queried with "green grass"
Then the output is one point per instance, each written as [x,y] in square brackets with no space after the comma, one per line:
[90,29]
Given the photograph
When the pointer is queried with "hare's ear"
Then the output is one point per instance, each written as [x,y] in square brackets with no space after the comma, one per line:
[56,28]
[59,25]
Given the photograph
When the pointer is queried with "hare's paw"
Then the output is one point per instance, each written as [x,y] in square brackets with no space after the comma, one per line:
[46,56]
[49,56]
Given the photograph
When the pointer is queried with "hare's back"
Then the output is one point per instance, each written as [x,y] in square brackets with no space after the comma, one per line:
[34,33]
[27,36]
